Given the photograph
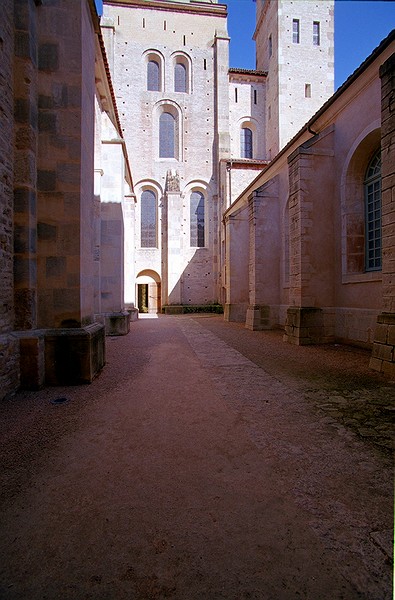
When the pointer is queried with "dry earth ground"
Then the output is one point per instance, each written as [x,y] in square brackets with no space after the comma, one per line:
[206,462]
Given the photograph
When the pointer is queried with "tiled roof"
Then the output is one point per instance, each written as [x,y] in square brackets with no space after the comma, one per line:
[248,72]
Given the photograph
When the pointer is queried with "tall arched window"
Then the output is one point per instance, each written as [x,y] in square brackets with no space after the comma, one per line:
[372,185]
[246,142]
[167,135]
[197,219]
[148,219]
[153,76]
[180,77]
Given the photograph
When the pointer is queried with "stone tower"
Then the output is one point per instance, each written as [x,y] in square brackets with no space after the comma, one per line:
[170,73]
[295,45]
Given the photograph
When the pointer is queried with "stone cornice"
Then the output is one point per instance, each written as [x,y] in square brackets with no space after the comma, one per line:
[201,8]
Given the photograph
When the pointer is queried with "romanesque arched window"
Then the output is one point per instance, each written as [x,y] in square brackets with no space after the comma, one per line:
[372,185]
[153,76]
[197,220]
[180,77]
[245,142]
[167,135]
[148,219]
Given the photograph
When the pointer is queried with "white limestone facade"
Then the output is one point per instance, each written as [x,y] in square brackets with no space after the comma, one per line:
[175,265]
[295,45]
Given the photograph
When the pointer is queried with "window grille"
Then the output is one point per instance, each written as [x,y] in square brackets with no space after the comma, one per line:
[180,78]
[197,219]
[153,76]
[295,31]
[373,233]
[167,127]
[148,219]
[246,142]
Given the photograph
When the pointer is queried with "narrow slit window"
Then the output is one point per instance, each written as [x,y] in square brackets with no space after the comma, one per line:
[295,31]
[153,76]
[316,33]
[270,46]
[235,94]
[148,219]
[180,77]
[255,96]
[246,142]
[143,23]
[167,135]
[197,220]
[307,90]
[205,64]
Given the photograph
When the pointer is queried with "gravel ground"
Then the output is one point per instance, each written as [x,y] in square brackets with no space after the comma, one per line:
[206,462]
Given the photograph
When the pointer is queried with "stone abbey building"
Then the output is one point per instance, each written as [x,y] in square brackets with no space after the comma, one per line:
[137,170]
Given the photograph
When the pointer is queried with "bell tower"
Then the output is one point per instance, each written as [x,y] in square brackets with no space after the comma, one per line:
[295,46]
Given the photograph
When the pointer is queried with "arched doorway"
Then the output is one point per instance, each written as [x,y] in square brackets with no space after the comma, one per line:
[148,292]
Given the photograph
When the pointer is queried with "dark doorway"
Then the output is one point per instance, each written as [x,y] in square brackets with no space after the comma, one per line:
[142,293]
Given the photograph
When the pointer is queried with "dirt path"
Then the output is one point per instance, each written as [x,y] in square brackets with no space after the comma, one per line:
[192,470]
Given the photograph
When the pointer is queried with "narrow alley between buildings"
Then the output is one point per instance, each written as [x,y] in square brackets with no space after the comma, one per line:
[205,462]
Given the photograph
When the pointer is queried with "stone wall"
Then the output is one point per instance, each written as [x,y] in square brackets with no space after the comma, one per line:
[9,346]
[26,144]
[292,66]
[198,36]
[265,242]
[383,354]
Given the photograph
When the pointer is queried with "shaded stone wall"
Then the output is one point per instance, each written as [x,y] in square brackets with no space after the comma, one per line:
[236,268]
[9,347]
[265,239]
[383,354]
[25,184]
[65,164]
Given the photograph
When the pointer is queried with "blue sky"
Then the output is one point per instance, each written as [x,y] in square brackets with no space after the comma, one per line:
[360,25]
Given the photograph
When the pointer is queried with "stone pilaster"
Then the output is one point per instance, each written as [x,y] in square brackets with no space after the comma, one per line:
[221,58]
[236,268]
[311,249]
[9,346]
[25,183]
[264,245]
[174,246]
[383,353]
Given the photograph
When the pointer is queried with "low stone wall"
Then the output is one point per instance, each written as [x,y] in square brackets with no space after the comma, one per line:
[9,365]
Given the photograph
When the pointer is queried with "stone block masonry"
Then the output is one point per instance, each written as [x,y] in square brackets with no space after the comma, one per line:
[47,89]
[9,347]
[383,354]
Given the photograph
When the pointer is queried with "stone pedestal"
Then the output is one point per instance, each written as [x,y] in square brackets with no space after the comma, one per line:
[305,326]
[74,356]
[258,317]
[9,364]
[383,353]
[115,323]
[134,314]
[235,312]
[32,363]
